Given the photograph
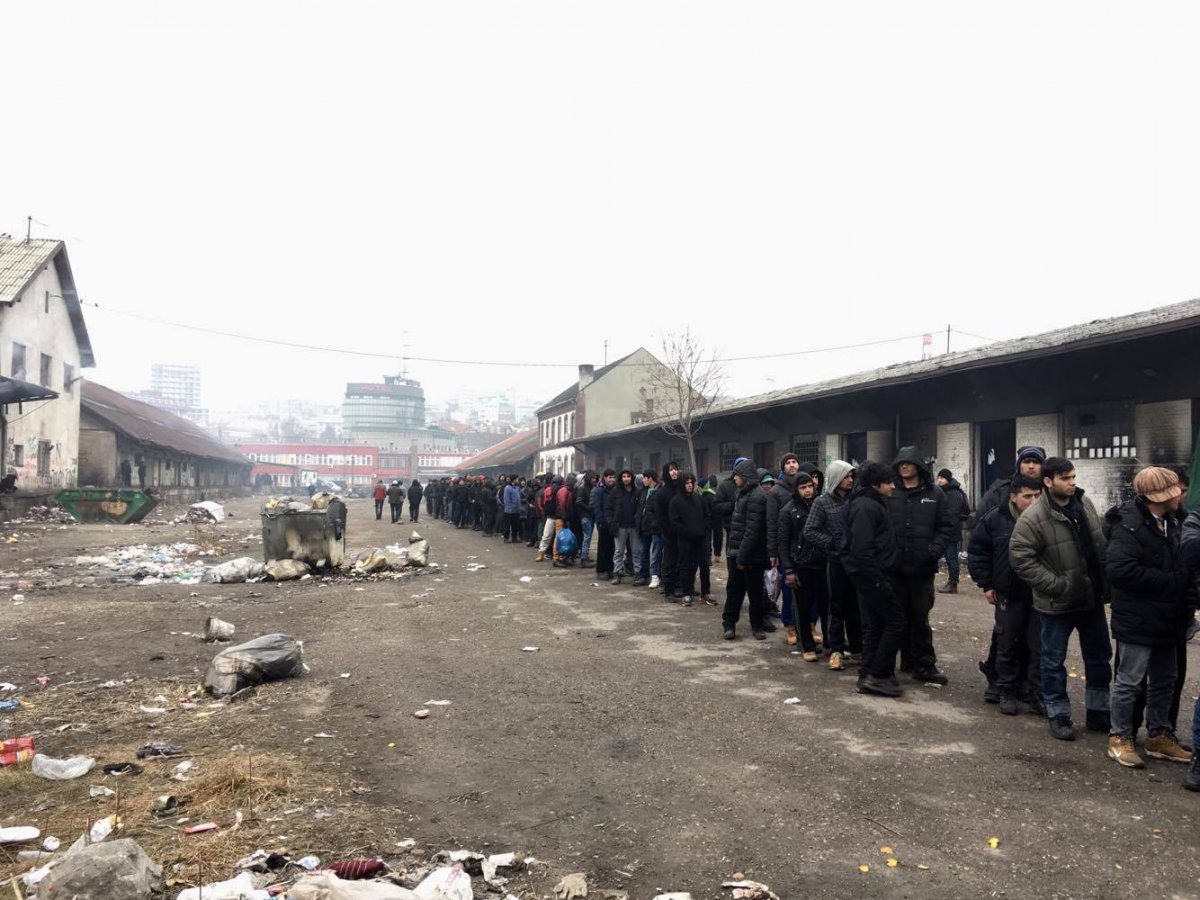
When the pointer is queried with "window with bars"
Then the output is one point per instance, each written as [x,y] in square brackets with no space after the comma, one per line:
[730,450]
[764,455]
[807,448]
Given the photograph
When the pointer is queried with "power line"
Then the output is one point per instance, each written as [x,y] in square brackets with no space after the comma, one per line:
[406,357]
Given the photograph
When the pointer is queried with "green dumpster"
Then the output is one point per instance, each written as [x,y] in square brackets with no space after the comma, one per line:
[116,505]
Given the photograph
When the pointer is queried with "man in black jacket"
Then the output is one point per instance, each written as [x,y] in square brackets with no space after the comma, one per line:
[1148,584]
[414,500]
[648,531]
[620,518]
[1017,634]
[869,554]
[723,505]
[669,568]
[690,523]
[395,496]
[803,565]
[606,535]
[923,527]
[746,555]
[960,511]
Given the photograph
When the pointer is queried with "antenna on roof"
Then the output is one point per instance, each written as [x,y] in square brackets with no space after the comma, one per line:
[606,351]
[28,228]
[404,358]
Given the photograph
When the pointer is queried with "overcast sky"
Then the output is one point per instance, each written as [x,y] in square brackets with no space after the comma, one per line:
[520,182]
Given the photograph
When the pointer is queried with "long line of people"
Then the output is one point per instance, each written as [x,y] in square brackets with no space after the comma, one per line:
[852,554]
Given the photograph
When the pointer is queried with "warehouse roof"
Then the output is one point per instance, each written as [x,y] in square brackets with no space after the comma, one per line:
[20,262]
[510,451]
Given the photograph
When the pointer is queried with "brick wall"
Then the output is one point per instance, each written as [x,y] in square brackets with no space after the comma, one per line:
[1106,481]
[954,453]
[1162,432]
[1039,431]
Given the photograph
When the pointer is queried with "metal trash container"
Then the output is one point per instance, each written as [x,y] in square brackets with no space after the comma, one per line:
[120,505]
[309,535]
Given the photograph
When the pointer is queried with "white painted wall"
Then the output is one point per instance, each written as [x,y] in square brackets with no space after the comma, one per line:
[53,421]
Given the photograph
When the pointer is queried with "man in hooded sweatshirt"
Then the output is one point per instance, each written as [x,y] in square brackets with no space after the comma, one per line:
[960,511]
[512,511]
[565,504]
[825,529]
[923,527]
[689,521]
[669,568]
[777,498]
[746,555]
[723,503]
[414,500]
[869,553]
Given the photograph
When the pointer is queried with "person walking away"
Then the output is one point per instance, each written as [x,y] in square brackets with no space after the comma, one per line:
[414,500]
[1057,548]
[605,530]
[746,555]
[512,511]
[431,490]
[825,530]
[1017,630]
[869,554]
[379,495]
[395,497]
[647,529]
[620,520]
[587,519]
[960,511]
[1149,585]
[923,529]
[802,567]
[669,567]
[691,525]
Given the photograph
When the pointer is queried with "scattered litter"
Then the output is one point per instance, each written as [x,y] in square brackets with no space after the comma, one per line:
[529,649]
[267,658]
[240,888]
[152,710]
[205,511]
[892,862]
[217,630]
[18,598]
[51,843]
[6,686]
[202,828]
[864,869]
[494,863]
[236,571]
[286,569]
[422,714]
[370,561]
[19,834]
[322,734]
[674,895]
[61,769]
[156,749]
[526,579]
[453,883]
[328,886]
[116,683]
[357,869]
[122,768]
[102,828]
[16,750]
[572,886]
[308,862]
[993,842]
[750,890]
[10,704]
[437,702]
[406,844]
[792,701]
[99,790]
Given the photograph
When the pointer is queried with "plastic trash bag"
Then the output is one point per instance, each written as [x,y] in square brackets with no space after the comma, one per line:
[446,883]
[286,569]
[328,886]
[268,658]
[566,544]
[370,561]
[61,769]
[236,571]
[239,888]
[418,551]
[773,584]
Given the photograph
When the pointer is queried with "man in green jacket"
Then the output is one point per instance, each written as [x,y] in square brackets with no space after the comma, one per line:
[1057,548]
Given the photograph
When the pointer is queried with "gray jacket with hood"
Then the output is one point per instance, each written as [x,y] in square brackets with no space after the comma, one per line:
[827,519]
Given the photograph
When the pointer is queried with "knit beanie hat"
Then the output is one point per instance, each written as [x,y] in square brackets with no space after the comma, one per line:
[1156,484]
[945,473]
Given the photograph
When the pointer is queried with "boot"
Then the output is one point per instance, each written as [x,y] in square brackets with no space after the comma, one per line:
[790,632]
[540,557]
[1191,780]
[950,587]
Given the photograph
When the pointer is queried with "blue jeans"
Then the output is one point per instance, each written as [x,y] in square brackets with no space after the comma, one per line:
[952,561]
[585,547]
[655,555]
[1155,666]
[1096,648]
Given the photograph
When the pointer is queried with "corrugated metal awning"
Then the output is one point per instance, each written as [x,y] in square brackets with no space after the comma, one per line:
[14,391]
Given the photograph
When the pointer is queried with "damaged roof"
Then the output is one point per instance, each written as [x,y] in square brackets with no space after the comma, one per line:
[512,450]
[1097,333]
[20,262]
[150,425]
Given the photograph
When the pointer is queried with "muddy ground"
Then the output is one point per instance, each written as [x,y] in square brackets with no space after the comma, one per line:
[634,745]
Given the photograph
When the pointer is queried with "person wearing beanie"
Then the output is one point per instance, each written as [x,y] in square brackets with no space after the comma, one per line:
[1148,584]
[777,499]
[723,504]
[746,555]
[1057,548]
[825,531]
[802,566]
[960,511]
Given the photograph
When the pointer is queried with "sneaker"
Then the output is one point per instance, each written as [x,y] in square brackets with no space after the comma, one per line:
[687,600]
[950,587]
[835,661]
[882,687]
[810,656]
[640,582]
[729,633]
[1120,748]
[1165,746]
[1008,705]
[1098,720]
[1062,728]
[930,676]
[708,600]
[1191,780]
[759,634]
[654,581]
[789,632]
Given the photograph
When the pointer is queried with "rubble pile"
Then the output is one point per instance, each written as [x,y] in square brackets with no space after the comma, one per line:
[54,515]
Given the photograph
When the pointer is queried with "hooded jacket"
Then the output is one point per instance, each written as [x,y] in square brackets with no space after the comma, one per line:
[960,507]
[647,524]
[748,528]
[1148,581]
[869,550]
[796,552]
[663,496]
[814,472]
[601,501]
[623,506]
[921,519]
[1046,553]
[395,493]
[565,497]
[987,555]
[825,526]
[512,499]
[414,492]
[998,490]
[777,498]
[688,519]
[724,501]
[584,490]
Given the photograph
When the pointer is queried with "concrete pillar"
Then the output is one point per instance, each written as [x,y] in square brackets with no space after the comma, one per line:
[954,452]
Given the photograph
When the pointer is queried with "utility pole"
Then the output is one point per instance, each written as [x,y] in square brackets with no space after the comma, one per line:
[947,338]
[606,351]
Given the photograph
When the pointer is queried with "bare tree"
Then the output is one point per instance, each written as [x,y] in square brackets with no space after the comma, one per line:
[680,392]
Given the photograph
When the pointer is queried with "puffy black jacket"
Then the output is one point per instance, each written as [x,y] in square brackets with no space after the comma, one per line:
[869,548]
[987,556]
[688,519]
[414,493]
[797,553]
[921,520]
[777,498]
[748,527]
[601,501]
[623,506]
[1147,579]
[663,496]
[960,507]
[724,502]
[647,525]
[583,498]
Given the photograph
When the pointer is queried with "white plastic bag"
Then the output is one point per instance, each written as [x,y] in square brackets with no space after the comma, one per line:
[236,571]
[446,883]
[328,886]
[773,584]
[61,769]
[240,888]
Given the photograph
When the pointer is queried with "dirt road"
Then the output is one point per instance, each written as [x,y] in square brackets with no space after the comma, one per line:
[634,744]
